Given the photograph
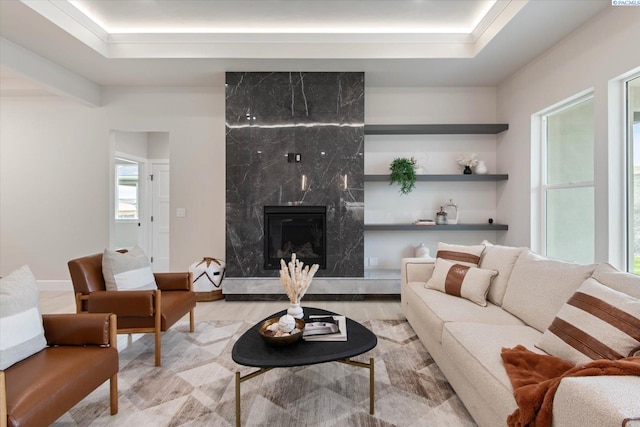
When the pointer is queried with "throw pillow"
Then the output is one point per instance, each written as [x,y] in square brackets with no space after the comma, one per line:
[461,281]
[465,255]
[596,323]
[502,259]
[130,271]
[21,331]
[538,287]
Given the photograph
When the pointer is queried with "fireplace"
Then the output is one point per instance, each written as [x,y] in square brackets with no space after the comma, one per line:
[295,229]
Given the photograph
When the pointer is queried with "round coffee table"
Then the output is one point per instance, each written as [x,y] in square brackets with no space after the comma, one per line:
[252,350]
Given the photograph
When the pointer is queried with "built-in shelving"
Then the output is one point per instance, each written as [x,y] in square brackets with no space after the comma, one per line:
[436,129]
[449,177]
[450,227]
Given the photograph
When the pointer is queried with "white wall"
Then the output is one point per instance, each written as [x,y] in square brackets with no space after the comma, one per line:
[591,58]
[54,174]
[437,154]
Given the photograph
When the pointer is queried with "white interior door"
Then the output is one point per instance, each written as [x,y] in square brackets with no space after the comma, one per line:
[160,217]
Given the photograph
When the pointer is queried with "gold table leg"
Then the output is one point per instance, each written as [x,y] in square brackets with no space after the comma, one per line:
[240,379]
[371,367]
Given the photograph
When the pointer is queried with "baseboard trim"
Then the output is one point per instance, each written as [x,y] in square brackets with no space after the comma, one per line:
[313,297]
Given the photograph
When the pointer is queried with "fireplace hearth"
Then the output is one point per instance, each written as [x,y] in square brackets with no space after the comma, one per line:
[295,229]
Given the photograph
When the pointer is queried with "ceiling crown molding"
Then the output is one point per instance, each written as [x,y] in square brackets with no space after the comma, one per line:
[274,45]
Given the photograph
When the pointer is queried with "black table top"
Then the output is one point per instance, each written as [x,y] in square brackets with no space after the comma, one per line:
[252,350]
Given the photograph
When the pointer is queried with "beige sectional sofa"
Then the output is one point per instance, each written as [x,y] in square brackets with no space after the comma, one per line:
[465,339]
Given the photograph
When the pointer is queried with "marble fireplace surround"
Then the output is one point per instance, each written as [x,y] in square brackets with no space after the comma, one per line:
[294,138]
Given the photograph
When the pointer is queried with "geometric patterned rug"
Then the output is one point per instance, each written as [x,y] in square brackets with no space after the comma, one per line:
[195,386]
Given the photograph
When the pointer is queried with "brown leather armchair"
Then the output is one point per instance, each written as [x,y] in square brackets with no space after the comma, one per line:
[81,354]
[150,311]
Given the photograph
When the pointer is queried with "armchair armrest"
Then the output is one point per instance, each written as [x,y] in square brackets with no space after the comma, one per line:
[124,303]
[79,329]
[174,281]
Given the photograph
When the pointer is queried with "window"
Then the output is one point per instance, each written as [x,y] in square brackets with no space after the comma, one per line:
[568,209]
[632,90]
[126,189]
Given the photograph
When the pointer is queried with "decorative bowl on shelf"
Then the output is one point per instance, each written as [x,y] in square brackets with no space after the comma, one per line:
[271,338]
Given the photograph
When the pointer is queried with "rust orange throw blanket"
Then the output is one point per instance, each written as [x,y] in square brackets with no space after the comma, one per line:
[535,379]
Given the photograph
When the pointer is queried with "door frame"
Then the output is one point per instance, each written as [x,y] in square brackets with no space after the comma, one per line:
[150,164]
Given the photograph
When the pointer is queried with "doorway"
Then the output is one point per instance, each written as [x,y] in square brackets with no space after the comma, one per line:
[140,184]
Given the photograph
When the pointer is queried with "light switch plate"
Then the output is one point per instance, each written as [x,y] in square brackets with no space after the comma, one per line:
[181,212]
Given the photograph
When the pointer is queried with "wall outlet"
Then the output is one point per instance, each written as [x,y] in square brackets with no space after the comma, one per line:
[181,212]
[373,261]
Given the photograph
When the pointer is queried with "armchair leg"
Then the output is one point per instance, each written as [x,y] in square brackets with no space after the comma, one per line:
[158,348]
[113,388]
[192,320]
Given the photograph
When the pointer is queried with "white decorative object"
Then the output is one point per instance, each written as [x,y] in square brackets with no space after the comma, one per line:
[207,274]
[296,311]
[286,323]
[452,212]
[296,281]
[481,168]
[422,251]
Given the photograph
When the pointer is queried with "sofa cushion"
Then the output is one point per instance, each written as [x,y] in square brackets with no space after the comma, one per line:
[610,276]
[603,401]
[21,331]
[437,308]
[475,348]
[130,271]
[596,323]
[461,254]
[461,281]
[539,286]
[502,259]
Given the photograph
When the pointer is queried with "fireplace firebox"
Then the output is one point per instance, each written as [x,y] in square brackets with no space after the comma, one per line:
[295,229]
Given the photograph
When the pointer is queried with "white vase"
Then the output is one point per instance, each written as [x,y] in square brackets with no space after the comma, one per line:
[481,168]
[296,311]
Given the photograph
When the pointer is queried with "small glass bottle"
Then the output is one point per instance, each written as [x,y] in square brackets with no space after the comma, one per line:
[441,217]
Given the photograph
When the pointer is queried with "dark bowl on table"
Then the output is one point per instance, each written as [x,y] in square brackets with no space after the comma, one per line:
[288,339]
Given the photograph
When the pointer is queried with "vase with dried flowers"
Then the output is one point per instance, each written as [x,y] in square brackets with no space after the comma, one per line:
[296,280]
[468,160]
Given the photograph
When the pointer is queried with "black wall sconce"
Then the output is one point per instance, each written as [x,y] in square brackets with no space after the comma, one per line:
[294,157]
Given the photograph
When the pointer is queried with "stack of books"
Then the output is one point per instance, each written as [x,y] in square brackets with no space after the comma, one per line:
[325,328]
[425,222]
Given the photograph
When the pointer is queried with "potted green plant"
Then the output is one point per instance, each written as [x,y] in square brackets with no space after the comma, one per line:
[403,171]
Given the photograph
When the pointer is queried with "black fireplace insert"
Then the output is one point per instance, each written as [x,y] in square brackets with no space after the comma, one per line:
[295,229]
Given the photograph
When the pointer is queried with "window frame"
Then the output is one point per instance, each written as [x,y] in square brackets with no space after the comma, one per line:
[544,185]
[126,160]
[628,126]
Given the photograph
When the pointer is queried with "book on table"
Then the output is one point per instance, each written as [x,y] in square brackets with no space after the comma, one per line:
[325,328]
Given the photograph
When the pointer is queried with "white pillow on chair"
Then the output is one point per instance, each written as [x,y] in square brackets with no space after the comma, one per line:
[129,271]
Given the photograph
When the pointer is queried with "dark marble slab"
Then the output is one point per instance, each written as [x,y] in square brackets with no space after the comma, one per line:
[317,115]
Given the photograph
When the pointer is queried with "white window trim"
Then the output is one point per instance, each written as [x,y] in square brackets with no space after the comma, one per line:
[628,177]
[143,167]
[544,186]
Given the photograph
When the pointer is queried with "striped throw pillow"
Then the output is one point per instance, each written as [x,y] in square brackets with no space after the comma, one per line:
[460,254]
[461,281]
[596,323]
[21,331]
[130,271]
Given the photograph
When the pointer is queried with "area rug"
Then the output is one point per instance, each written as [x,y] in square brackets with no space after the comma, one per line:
[195,386]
